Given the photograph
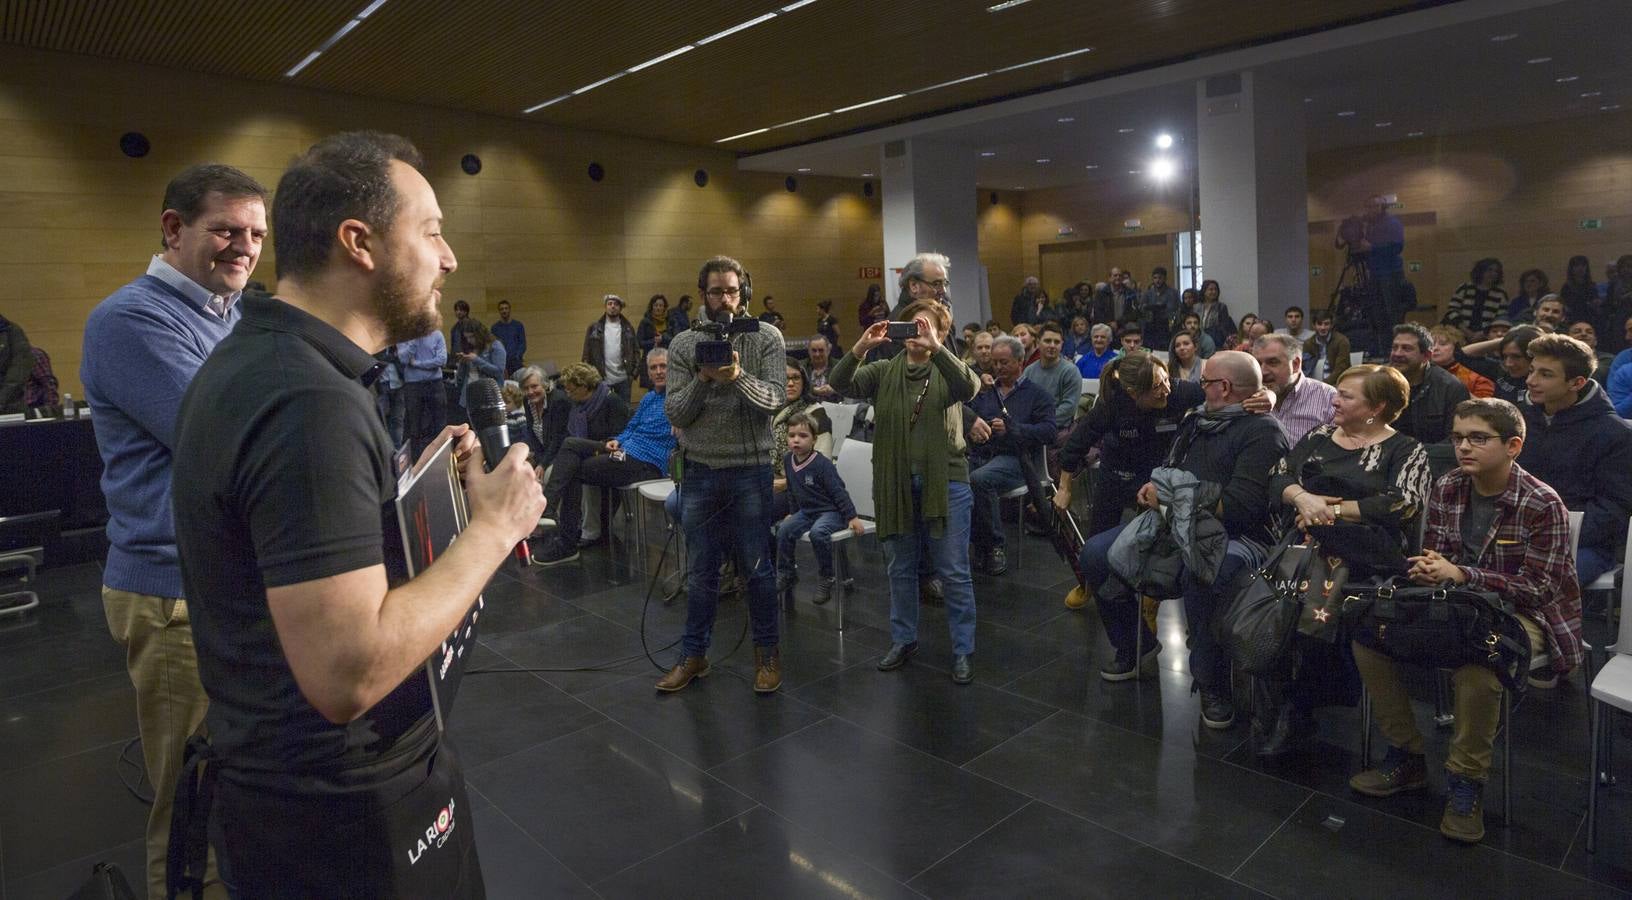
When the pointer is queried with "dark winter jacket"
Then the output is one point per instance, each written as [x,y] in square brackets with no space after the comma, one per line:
[1029,413]
[1585,454]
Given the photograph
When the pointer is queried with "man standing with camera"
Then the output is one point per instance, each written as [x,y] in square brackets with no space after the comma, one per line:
[726,379]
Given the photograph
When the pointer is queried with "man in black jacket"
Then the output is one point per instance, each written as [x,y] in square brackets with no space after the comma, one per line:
[1024,306]
[16,362]
[1226,446]
[1578,445]
[1005,421]
[610,346]
[1434,391]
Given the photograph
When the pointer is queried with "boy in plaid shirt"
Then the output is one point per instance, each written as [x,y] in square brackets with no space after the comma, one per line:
[1494,527]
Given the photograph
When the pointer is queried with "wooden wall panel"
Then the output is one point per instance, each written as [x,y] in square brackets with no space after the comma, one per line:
[531,228]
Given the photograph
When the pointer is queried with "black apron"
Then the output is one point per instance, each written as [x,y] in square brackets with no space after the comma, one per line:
[390,830]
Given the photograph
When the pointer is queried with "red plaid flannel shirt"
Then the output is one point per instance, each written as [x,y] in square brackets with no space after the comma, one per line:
[1527,558]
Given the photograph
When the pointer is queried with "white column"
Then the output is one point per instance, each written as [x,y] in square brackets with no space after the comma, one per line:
[1253,177]
[930,205]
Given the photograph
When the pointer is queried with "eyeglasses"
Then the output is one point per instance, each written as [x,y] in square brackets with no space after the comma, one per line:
[717,293]
[939,284]
[1477,438]
[1208,382]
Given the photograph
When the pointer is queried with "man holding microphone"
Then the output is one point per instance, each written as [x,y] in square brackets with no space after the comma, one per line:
[326,765]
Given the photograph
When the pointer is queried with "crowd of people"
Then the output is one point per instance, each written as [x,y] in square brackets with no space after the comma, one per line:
[249,539]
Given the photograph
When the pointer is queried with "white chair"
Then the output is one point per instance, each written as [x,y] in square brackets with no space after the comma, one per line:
[1160,355]
[1604,582]
[855,467]
[1090,387]
[1019,494]
[1356,359]
[1613,686]
[843,418]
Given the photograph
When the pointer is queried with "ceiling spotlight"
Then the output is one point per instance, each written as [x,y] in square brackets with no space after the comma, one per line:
[1044,161]
[1381,124]
[1539,59]
[1164,141]
[1345,113]
[1133,171]
[1413,134]
[1499,38]
[804,169]
[1091,166]
[866,174]
[1006,4]
[1162,169]
[1308,99]
[1124,131]
[988,153]
[1064,119]
[1566,79]
[1592,94]
[743,135]
[1609,107]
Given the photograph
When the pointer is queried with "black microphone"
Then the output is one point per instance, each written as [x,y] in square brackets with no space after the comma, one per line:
[487,418]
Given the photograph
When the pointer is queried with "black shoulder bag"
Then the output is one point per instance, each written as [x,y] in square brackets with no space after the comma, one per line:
[1447,626]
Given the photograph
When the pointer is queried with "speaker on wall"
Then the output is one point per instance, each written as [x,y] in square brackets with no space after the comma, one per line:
[596,173]
[471,163]
[994,198]
[867,188]
[701,177]
[134,144]
[791,183]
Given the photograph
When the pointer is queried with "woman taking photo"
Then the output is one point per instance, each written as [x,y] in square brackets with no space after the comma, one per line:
[799,401]
[1184,358]
[1356,487]
[920,474]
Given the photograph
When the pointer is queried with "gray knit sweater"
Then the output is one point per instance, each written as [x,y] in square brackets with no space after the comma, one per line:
[727,425]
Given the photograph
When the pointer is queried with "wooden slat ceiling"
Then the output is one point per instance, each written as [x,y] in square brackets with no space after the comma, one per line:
[502,56]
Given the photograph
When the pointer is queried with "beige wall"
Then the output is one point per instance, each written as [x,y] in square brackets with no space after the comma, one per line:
[531,228]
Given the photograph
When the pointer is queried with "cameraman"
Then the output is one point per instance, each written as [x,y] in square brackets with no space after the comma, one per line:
[724,416]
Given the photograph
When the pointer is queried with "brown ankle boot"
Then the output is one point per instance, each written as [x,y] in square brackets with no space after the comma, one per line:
[684,671]
[767,669]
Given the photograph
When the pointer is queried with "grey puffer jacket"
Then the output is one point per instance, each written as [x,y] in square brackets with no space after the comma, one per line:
[1181,534]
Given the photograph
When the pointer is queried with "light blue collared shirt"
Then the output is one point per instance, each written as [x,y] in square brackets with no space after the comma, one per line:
[215,304]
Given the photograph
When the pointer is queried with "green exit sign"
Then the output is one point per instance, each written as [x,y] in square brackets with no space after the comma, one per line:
[1315,271]
[1415,265]
[1592,224]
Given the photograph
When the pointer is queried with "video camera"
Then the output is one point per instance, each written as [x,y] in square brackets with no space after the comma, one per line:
[715,351]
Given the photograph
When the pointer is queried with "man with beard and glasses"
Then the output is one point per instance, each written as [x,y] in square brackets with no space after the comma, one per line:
[143,345]
[310,647]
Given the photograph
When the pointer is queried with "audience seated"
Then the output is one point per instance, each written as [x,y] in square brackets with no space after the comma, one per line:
[1495,527]
[1027,336]
[1076,338]
[1191,322]
[821,505]
[818,365]
[1231,452]
[1510,373]
[1028,304]
[1326,351]
[1184,357]
[801,401]
[1587,333]
[1099,352]
[1434,391]
[1301,404]
[40,391]
[1006,422]
[1478,301]
[1213,317]
[1448,342]
[1580,294]
[545,407]
[16,366]
[1132,340]
[1295,325]
[1579,446]
[1058,377]
[1532,288]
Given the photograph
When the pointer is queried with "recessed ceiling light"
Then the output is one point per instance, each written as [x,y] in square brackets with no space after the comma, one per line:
[803,169]
[1566,79]
[866,174]
[1064,119]
[1381,124]
[533,109]
[804,120]
[333,39]
[1006,4]
[1124,131]
[1164,141]
[1539,59]
[1592,94]
[743,135]
[736,28]
[664,58]
[1609,106]
[1091,166]
[869,103]
[793,6]
[1413,134]
[1044,161]
[1162,169]
[1498,38]
[936,87]
[590,87]
[1044,60]
[1133,171]
[1308,99]
[1346,113]
[988,153]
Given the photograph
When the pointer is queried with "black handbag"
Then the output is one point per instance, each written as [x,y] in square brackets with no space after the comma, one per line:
[1257,628]
[1447,626]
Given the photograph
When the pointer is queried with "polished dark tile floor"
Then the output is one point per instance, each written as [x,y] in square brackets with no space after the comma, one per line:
[1039,780]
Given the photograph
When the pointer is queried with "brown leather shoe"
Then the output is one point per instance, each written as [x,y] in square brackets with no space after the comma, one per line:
[684,671]
[767,669]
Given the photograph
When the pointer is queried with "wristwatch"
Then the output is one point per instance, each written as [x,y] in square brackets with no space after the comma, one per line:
[1337,510]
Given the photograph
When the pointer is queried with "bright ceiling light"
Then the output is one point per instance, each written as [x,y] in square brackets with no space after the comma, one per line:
[664,58]
[1162,168]
[866,174]
[1006,4]
[803,169]
[1346,113]
[333,39]
[793,6]
[988,153]
[1592,93]
[804,120]
[1164,141]
[1091,166]
[736,28]
[1567,79]
[936,87]
[1499,38]
[1133,171]
[743,135]
[1046,59]
[1381,124]
[1609,107]
[533,109]
[590,87]
[1413,134]
[1044,161]
[1539,60]
[869,103]
[1064,120]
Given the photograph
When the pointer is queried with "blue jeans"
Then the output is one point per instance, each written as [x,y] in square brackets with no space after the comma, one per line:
[727,511]
[949,554]
[990,482]
[821,526]
[1590,563]
[1209,664]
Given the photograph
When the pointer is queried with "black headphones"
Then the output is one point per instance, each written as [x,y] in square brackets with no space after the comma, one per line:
[746,283]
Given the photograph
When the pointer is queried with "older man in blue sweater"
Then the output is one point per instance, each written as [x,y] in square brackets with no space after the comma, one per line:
[143,344]
[1006,420]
